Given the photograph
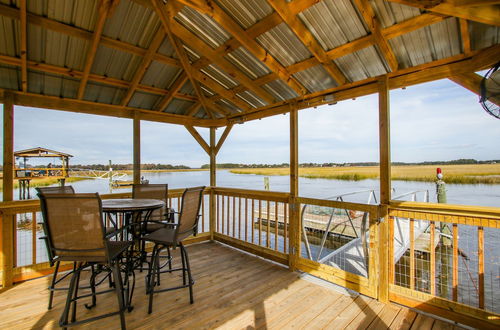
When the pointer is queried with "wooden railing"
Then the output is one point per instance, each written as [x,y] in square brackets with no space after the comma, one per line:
[442,264]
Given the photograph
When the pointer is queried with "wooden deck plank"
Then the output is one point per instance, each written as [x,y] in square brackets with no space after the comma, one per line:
[232,290]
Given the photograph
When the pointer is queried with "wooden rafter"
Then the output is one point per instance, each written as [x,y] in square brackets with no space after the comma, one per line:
[24,46]
[213,10]
[308,39]
[487,14]
[474,3]
[176,86]
[79,33]
[470,81]
[198,138]
[162,11]
[146,61]
[103,10]
[223,138]
[201,47]
[67,72]
[464,32]
[376,29]
[193,109]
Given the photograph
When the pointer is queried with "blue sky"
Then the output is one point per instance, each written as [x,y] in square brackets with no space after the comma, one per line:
[433,121]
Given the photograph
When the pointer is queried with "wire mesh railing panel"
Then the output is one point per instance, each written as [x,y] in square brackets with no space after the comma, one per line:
[29,248]
[455,258]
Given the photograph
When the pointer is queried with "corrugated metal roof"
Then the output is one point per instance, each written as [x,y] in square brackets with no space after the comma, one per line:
[53,85]
[160,75]
[362,64]
[10,77]
[82,14]
[246,12]
[284,45]
[333,23]
[315,79]
[251,98]
[9,36]
[115,64]
[132,23]
[187,89]
[483,35]
[216,73]
[101,93]
[144,100]
[203,26]
[280,90]
[430,43]
[247,63]
[390,13]
[227,105]
[178,106]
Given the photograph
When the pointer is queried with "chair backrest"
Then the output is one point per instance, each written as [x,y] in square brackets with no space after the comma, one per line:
[189,215]
[45,191]
[152,191]
[55,190]
[74,226]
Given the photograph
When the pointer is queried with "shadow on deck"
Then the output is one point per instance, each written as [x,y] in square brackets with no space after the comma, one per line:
[233,290]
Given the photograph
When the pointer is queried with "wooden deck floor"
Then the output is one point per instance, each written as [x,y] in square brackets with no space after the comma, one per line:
[233,290]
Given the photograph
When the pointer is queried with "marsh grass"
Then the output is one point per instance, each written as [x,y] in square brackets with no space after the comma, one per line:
[43,182]
[461,174]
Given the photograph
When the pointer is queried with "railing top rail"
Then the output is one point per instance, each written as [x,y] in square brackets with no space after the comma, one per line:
[448,209]
[337,204]
[269,195]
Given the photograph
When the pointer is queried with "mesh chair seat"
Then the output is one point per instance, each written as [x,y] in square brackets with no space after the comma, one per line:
[114,249]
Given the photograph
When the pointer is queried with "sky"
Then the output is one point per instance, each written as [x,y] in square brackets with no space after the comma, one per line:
[433,121]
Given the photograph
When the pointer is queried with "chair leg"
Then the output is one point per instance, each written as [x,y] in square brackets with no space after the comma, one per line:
[190,278]
[183,260]
[119,292]
[73,315]
[151,280]
[53,284]
[63,321]
[169,258]
[92,288]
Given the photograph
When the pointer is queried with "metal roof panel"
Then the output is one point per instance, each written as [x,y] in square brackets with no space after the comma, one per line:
[246,12]
[246,62]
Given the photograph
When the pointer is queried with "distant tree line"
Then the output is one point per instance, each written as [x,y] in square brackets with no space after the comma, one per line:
[129,167]
[450,162]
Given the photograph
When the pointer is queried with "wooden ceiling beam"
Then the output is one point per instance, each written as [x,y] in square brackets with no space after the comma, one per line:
[76,32]
[176,86]
[81,106]
[464,33]
[308,39]
[67,72]
[213,10]
[204,145]
[223,138]
[487,14]
[201,47]
[375,27]
[103,11]
[470,81]
[146,61]
[164,12]
[24,45]
[474,3]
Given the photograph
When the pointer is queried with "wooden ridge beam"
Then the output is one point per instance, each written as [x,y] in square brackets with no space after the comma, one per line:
[223,138]
[487,14]
[308,39]
[103,11]
[198,138]
[375,27]
[470,81]
[146,61]
[79,33]
[24,45]
[176,86]
[67,72]
[110,110]
[213,10]
[164,12]
[201,47]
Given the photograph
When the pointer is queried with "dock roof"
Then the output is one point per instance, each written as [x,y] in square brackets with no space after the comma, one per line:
[40,152]
[213,63]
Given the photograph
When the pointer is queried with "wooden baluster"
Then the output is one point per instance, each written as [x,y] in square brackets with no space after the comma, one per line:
[239,218]
[234,217]
[253,222]
[246,220]
[260,222]
[412,254]
[218,212]
[391,250]
[276,218]
[203,214]
[480,255]
[268,227]
[433,259]
[455,262]
[33,238]
[228,216]
[285,225]
[14,247]
[223,220]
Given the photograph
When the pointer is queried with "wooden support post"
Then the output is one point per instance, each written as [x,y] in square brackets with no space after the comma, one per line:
[385,188]
[7,220]
[295,227]
[137,149]
[213,181]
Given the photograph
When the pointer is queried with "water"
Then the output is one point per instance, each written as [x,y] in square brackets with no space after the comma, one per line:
[463,194]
